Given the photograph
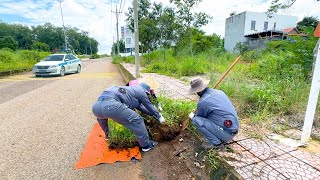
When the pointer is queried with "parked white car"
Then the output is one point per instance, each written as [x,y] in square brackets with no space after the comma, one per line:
[58,64]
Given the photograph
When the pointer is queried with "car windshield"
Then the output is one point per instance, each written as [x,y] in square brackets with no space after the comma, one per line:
[54,58]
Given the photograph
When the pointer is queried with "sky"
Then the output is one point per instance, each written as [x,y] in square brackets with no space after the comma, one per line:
[96,17]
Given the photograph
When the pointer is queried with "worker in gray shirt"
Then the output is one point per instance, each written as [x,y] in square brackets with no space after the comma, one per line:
[215,117]
[119,102]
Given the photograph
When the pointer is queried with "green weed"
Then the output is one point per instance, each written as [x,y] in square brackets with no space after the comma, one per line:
[22,59]
[174,112]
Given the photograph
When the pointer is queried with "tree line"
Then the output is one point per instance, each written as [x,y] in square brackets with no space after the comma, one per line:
[177,26]
[46,37]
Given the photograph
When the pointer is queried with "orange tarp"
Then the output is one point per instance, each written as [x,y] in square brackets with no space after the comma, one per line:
[96,151]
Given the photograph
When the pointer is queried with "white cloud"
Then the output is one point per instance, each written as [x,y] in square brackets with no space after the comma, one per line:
[95,15]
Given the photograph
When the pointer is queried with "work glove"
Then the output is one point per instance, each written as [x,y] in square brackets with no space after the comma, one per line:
[159,107]
[161,119]
[191,115]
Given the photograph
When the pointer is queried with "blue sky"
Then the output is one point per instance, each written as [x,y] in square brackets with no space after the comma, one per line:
[95,16]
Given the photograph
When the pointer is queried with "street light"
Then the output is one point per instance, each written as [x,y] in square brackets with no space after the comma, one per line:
[64,28]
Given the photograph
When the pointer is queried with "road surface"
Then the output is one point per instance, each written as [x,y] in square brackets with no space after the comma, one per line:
[45,122]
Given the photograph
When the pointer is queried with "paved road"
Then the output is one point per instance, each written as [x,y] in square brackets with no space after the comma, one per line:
[44,124]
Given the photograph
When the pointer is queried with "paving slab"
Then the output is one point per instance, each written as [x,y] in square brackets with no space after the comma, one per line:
[313,159]
[170,87]
[240,136]
[238,156]
[293,168]
[264,149]
[259,170]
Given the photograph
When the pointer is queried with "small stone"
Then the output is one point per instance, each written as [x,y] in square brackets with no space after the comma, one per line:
[196,164]
[196,155]
[181,140]
[204,159]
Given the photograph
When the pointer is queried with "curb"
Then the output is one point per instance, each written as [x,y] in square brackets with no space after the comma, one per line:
[12,72]
[126,75]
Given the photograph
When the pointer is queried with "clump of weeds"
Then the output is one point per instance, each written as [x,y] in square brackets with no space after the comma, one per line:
[176,117]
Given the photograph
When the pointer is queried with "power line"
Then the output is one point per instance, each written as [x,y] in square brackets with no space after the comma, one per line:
[120,5]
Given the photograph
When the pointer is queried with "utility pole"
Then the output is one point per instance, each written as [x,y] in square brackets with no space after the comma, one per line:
[64,28]
[136,37]
[117,25]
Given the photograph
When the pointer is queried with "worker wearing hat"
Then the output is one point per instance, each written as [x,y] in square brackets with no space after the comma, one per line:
[215,117]
[119,102]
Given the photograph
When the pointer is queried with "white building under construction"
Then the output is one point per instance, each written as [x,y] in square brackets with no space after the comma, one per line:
[254,28]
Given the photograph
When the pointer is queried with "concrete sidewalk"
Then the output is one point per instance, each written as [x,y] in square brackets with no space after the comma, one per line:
[251,158]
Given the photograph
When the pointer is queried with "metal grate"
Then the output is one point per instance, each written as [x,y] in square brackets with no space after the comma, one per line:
[43,67]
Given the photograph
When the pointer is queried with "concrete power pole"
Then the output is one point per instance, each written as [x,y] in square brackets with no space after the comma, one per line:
[136,37]
[117,26]
[64,28]
[118,46]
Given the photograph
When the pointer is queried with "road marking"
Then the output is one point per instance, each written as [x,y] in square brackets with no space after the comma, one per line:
[30,77]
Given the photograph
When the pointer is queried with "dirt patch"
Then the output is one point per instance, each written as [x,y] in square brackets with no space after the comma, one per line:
[164,132]
[173,160]
[183,158]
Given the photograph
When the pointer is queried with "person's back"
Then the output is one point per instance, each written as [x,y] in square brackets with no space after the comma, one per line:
[218,108]
[119,102]
[129,95]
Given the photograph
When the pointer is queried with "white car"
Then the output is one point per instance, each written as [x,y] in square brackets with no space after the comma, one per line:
[58,64]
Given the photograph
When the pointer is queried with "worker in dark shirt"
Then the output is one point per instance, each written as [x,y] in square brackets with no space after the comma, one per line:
[119,102]
[215,117]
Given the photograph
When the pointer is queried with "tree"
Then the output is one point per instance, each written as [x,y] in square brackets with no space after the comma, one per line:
[8,42]
[187,19]
[39,46]
[115,47]
[308,22]
[143,6]
[276,5]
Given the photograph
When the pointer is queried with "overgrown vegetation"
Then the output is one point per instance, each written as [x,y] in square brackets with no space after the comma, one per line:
[174,111]
[273,82]
[18,60]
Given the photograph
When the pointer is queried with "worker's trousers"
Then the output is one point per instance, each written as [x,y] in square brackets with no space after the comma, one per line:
[123,115]
[214,133]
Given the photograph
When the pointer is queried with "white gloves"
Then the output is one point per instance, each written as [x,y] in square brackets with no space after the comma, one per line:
[161,119]
[159,107]
[191,115]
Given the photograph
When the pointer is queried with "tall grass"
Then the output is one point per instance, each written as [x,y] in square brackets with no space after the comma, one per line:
[22,59]
[265,83]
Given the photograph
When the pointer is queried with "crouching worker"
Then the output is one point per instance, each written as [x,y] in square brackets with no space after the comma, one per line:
[119,102]
[215,117]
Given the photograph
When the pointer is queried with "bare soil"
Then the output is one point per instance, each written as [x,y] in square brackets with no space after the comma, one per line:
[165,161]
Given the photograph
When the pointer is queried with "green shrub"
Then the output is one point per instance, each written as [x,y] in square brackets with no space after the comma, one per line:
[6,56]
[7,49]
[27,55]
[39,46]
[23,59]
[8,42]
[94,56]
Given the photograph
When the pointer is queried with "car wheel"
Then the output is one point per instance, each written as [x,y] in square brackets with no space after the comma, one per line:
[38,76]
[62,71]
[78,69]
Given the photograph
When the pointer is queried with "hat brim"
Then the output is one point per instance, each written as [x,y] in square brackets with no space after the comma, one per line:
[150,81]
[199,89]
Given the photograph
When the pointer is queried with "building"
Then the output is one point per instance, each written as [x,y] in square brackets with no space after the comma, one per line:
[254,29]
[128,38]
